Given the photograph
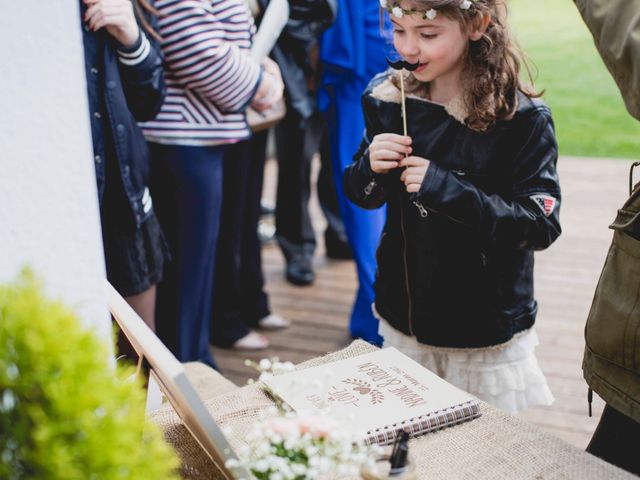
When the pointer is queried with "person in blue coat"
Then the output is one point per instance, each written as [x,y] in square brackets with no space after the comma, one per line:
[353,51]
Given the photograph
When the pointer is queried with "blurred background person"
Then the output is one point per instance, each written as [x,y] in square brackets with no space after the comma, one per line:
[125,84]
[352,52]
[299,134]
[211,81]
[240,303]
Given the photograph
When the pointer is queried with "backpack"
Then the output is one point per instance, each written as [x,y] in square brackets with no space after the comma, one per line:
[611,363]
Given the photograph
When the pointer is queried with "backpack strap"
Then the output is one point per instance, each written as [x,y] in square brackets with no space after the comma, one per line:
[630,211]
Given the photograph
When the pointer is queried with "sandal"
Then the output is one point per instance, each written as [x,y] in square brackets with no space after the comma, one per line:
[251,341]
[273,321]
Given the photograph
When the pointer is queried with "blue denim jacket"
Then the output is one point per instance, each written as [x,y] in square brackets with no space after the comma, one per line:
[121,94]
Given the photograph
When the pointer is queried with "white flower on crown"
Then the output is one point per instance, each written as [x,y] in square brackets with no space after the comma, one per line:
[397,12]
[431,14]
[384,3]
[465,5]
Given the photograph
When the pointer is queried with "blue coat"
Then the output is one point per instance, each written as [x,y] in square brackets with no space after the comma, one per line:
[352,52]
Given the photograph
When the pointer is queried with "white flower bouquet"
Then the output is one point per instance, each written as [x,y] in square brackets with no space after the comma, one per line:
[286,445]
[298,447]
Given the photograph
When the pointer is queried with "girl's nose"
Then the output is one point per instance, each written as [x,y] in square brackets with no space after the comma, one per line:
[409,51]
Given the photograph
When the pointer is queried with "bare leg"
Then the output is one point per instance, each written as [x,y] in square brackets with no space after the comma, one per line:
[144,305]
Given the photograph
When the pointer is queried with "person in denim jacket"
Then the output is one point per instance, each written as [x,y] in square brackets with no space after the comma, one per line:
[125,84]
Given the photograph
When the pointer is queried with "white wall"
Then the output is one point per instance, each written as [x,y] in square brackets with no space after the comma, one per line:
[49,215]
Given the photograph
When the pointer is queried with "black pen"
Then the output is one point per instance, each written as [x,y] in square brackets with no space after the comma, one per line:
[399,454]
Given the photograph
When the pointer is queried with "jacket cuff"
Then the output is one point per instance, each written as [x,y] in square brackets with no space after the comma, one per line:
[433,179]
[252,94]
[135,54]
[380,178]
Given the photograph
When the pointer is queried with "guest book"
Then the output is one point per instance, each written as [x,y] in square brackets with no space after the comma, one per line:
[377,394]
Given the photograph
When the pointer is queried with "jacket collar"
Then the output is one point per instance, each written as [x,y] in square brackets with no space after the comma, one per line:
[386,91]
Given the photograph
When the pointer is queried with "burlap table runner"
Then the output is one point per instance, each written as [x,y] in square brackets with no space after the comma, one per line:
[207,381]
[495,446]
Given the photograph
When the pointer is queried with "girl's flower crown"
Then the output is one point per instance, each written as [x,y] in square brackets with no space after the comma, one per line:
[394,8]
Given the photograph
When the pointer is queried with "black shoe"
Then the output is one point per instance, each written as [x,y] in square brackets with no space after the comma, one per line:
[299,270]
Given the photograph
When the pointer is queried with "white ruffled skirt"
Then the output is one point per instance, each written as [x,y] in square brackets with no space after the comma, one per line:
[506,376]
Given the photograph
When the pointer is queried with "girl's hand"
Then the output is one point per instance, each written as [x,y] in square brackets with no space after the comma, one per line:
[386,151]
[116,16]
[413,175]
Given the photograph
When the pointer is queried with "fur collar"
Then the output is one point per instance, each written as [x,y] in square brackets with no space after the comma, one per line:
[386,91]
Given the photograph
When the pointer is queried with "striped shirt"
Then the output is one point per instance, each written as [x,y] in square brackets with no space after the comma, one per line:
[210,77]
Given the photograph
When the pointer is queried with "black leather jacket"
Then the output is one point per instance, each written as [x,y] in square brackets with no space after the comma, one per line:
[455,261]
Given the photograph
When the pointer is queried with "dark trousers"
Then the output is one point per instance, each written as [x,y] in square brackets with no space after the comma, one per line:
[239,297]
[296,143]
[186,187]
[617,440]
[335,233]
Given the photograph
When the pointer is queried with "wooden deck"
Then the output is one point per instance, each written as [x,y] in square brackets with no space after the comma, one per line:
[566,276]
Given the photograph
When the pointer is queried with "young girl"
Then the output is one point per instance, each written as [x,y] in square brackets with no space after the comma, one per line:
[471,192]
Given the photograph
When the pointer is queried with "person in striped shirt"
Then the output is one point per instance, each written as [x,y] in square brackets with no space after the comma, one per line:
[211,81]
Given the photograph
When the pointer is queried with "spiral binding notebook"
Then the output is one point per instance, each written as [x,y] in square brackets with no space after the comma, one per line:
[376,394]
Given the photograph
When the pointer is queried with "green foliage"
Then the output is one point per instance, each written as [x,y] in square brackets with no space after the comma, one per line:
[64,413]
[589,113]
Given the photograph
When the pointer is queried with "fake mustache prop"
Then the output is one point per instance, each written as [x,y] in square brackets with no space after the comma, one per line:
[400,64]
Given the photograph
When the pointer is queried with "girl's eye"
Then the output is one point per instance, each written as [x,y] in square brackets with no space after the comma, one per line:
[428,36]
[398,32]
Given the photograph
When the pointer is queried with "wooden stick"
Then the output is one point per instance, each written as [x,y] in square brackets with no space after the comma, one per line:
[404,106]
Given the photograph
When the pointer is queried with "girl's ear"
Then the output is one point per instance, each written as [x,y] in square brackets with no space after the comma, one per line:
[480,26]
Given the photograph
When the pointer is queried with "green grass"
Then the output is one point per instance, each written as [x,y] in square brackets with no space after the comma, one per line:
[589,113]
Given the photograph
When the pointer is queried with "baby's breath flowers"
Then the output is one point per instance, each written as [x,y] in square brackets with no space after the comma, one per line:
[300,447]
[287,445]
[269,366]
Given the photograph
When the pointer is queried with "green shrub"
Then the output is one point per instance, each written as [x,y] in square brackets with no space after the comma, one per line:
[64,413]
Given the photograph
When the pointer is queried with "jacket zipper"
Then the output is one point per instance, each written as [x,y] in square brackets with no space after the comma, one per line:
[406,271]
[369,188]
[423,211]
[433,210]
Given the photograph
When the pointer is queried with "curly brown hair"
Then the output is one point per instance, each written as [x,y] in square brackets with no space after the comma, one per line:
[143,9]
[491,75]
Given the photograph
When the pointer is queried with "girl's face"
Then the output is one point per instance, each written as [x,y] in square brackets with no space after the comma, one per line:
[439,45]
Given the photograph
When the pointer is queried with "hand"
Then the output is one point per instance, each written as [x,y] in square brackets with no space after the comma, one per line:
[386,150]
[413,175]
[272,67]
[116,16]
[271,87]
